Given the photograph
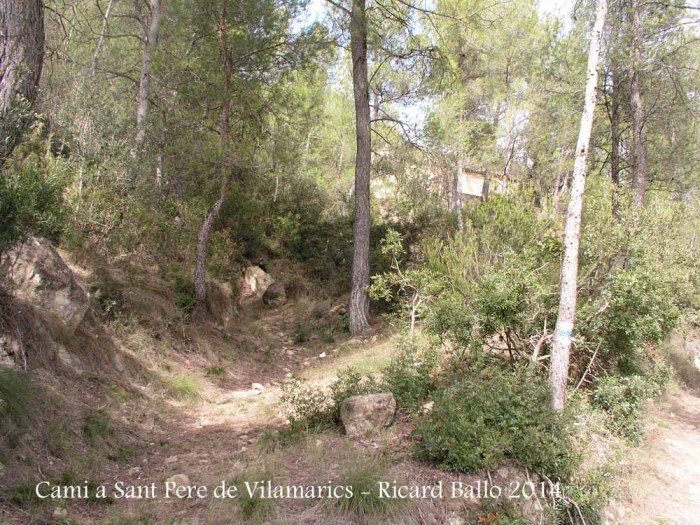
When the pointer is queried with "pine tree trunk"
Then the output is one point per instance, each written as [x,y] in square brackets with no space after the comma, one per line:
[145,82]
[640,170]
[559,365]
[359,300]
[21,60]
[200,270]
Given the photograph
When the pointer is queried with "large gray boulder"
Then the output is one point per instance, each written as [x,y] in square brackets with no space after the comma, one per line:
[257,280]
[363,415]
[275,295]
[37,274]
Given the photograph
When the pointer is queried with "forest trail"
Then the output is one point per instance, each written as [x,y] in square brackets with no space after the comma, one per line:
[663,485]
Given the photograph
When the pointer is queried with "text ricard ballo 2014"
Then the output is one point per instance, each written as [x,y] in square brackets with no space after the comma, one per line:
[268,489]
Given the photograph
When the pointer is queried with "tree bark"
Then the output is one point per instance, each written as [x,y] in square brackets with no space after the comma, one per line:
[615,139]
[200,270]
[101,39]
[21,60]
[640,170]
[145,81]
[359,300]
[559,365]
[457,192]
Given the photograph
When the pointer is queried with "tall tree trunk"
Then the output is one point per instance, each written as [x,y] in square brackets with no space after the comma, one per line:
[559,366]
[457,192]
[640,171]
[615,138]
[21,60]
[101,39]
[359,300]
[145,82]
[200,270]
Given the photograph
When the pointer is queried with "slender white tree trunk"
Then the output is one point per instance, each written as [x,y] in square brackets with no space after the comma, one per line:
[559,366]
[145,82]
[200,270]
[640,170]
[101,39]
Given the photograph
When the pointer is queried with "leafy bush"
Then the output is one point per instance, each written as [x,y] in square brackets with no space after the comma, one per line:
[350,383]
[412,376]
[490,415]
[623,398]
[31,194]
[309,408]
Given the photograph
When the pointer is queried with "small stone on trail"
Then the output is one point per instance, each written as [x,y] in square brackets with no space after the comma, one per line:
[257,386]
[322,355]
[246,393]
[180,480]
[170,460]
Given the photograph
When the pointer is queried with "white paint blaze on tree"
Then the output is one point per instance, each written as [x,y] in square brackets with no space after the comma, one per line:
[559,366]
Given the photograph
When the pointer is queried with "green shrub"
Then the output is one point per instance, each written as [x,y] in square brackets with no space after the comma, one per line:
[59,437]
[412,376]
[309,408]
[15,394]
[31,192]
[350,383]
[253,507]
[363,476]
[624,398]
[493,414]
[184,387]
[302,333]
[97,425]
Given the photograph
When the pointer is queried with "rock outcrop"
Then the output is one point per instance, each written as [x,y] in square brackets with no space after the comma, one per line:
[275,294]
[363,415]
[257,280]
[37,274]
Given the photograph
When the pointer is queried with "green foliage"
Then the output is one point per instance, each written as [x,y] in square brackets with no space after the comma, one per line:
[59,436]
[253,506]
[412,376]
[624,399]
[350,383]
[31,192]
[591,491]
[184,387]
[301,334]
[363,476]
[493,414]
[309,408]
[106,294]
[16,393]
[97,425]
[183,286]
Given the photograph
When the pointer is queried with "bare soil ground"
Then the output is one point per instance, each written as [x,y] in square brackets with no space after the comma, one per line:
[660,481]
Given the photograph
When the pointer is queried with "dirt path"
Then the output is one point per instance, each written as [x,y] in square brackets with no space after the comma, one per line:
[663,485]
